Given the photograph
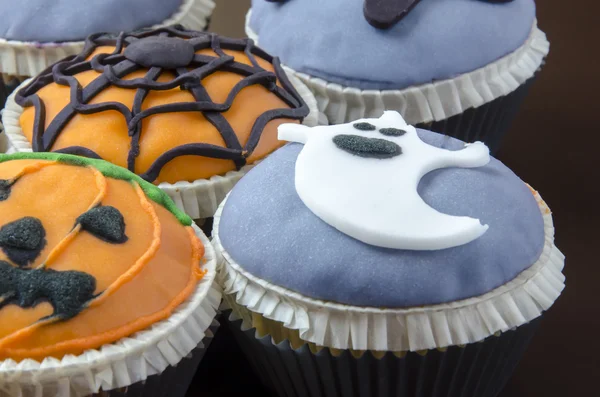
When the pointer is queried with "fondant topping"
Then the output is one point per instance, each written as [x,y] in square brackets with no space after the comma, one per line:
[421,47]
[67,292]
[70,20]
[384,14]
[367,190]
[106,223]
[4,189]
[23,240]
[192,59]
[367,147]
[161,52]
[268,230]
[364,126]
[110,249]
[392,131]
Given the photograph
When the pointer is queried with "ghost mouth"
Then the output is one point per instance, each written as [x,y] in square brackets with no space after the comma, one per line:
[367,147]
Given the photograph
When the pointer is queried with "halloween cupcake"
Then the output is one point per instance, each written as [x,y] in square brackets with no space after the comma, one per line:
[187,111]
[372,257]
[459,67]
[105,285]
[35,34]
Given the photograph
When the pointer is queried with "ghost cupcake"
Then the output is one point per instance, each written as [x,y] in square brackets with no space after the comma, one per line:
[372,256]
[106,287]
[35,34]
[459,67]
[188,111]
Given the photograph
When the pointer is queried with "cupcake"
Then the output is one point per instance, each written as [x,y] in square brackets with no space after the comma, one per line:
[458,67]
[35,34]
[106,286]
[188,111]
[372,257]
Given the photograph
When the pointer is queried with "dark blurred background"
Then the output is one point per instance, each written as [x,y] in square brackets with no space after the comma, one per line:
[553,146]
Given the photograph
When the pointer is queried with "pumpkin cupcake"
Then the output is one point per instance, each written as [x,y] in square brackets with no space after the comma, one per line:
[458,67]
[104,284]
[188,111]
[372,257]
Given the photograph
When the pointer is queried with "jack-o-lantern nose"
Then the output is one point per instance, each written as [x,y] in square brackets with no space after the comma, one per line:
[23,240]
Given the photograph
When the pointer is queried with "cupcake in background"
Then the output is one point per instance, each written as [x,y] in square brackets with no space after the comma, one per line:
[35,34]
[188,111]
[372,257]
[105,284]
[458,67]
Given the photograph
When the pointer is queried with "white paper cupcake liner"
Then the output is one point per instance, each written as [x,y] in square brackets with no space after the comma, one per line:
[127,361]
[366,328]
[199,199]
[31,58]
[429,102]
[173,381]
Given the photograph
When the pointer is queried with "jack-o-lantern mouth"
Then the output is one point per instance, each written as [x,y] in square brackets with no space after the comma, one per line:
[67,292]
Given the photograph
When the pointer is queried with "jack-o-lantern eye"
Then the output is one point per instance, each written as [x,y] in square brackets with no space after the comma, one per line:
[23,240]
[104,222]
[4,189]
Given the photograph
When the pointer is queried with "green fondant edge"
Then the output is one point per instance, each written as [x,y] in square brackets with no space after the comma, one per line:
[110,170]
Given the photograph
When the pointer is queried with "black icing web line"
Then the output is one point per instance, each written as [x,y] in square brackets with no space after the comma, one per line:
[115,66]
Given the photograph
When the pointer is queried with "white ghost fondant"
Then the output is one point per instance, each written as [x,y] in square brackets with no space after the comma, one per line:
[367,188]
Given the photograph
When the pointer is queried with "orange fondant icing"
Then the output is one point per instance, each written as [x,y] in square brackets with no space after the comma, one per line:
[138,282]
[106,133]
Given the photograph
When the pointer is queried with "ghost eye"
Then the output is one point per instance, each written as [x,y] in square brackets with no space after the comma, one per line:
[23,240]
[392,131]
[105,222]
[364,126]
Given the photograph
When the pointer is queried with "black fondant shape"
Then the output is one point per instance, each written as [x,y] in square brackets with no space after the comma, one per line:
[392,131]
[364,126]
[105,222]
[5,189]
[383,14]
[67,292]
[160,51]
[23,240]
[367,147]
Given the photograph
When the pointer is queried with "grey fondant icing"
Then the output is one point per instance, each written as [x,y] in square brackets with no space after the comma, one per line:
[268,230]
[73,20]
[438,39]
